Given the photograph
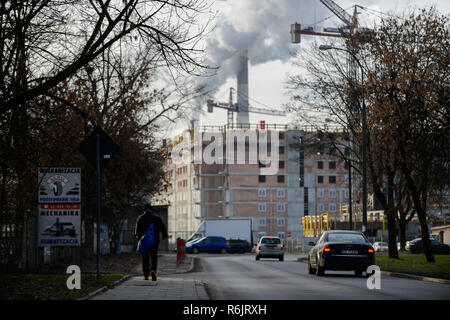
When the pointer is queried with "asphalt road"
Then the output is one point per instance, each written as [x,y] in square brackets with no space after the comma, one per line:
[237,276]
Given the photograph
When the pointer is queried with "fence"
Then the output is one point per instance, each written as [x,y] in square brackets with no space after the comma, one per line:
[19,251]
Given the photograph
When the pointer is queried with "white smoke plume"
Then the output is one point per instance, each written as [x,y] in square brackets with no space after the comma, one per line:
[262,27]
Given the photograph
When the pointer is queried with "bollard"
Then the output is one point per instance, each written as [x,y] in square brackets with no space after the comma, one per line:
[181,250]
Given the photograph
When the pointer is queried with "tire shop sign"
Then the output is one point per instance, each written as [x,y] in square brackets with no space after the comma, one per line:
[59,210]
[59,185]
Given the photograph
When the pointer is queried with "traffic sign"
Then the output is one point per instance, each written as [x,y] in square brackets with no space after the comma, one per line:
[107,147]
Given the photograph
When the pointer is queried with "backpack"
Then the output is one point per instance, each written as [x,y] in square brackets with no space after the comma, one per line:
[146,241]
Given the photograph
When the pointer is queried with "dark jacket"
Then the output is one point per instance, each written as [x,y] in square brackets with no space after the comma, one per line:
[145,220]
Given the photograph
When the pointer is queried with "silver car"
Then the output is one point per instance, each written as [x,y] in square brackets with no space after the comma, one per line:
[380,246]
[270,247]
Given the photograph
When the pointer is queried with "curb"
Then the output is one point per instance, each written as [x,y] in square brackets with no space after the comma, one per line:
[414,277]
[191,267]
[102,289]
[405,276]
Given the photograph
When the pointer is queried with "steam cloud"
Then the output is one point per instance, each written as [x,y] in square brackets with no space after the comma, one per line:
[262,27]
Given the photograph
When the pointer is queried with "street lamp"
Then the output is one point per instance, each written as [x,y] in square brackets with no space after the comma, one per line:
[364,133]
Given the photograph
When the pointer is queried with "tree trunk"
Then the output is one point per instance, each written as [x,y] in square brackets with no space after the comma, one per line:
[392,234]
[425,235]
[402,231]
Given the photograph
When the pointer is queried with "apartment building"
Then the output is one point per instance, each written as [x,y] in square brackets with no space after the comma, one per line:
[305,183]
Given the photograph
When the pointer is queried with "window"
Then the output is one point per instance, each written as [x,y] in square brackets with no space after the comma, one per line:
[332,193]
[262,193]
[281,164]
[320,193]
[262,222]
[346,194]
[271,240]
[261,207]
[332,165]
[332,179]
[281,135]
[332,207]
[320,179]
[346,237]
[280,222]
[319,164]
[280,207]
[346,165]
[320,207]
[281,235]
[281,149]
[281,193]
[280,179]
[261,178]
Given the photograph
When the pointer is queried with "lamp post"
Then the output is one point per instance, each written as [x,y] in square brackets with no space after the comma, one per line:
[364,133]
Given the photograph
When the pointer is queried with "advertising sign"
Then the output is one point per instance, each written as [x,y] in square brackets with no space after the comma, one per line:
[59,224]
[59,185]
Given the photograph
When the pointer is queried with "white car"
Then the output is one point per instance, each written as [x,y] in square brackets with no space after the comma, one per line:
[380,246]
[269,247]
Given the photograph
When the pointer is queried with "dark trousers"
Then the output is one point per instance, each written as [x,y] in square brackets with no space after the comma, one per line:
[153,256]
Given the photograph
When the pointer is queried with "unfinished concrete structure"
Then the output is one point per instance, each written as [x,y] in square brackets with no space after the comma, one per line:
[228,190]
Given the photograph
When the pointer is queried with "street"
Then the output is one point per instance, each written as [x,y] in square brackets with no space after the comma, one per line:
[240,277]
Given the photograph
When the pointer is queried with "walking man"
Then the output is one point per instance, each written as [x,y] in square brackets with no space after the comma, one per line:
[143,222]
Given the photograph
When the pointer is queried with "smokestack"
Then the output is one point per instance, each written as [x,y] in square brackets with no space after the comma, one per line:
[242,91]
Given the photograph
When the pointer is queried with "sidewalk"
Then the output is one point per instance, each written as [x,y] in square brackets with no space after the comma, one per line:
[171,285]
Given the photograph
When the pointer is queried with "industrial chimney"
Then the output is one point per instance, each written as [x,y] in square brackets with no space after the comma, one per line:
[242,91]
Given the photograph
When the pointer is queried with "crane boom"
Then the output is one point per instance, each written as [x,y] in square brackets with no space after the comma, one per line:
[266,111]
[338,11]
[234,107]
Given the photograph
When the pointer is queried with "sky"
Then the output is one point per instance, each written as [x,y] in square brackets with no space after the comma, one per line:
[262,27]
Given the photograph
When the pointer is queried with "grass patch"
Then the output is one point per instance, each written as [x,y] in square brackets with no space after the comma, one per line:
[415,264]
[51,286]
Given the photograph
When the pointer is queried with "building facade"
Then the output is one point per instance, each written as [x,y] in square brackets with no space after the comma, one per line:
[305,183]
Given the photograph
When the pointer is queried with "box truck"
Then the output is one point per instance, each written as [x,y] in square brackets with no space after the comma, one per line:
[238,229]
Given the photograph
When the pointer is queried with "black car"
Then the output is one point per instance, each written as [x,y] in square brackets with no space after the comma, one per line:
[239,246]
[341,250]
[416,246]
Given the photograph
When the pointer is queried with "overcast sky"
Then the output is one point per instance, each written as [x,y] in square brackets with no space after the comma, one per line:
[262,27]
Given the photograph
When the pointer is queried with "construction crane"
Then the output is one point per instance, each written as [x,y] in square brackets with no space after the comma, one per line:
[350,27]
[234,107]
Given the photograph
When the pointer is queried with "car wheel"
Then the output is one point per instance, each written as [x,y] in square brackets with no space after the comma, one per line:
[281,258]
[223,250]
[311,270]
[358,272]
[195,250]
[320,271]
[257,258]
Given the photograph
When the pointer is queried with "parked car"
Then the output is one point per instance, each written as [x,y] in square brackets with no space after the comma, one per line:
[239,246]
[380,246]
[341,250]
[209,244]
[416,246]
[269,247]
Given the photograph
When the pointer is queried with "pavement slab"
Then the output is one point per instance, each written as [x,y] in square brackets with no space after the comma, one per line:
[171,283]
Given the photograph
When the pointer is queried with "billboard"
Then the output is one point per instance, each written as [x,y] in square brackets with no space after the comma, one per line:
[59,185]
[59,224]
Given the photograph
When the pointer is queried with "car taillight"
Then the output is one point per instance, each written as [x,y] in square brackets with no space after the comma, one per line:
[326,248]
[370,249]
[259,246]
[227,243]
[249,245]
[281,246]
